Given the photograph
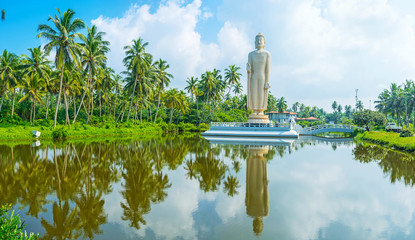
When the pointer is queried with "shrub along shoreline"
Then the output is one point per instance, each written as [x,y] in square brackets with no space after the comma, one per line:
[389,139]
[79,130]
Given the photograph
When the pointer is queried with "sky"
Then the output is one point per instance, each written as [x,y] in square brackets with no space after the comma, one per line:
[322,50]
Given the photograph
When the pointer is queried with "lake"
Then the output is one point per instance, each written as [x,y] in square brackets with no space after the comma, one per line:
[186,187]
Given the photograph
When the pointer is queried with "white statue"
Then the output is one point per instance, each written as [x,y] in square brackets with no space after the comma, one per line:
[292,122]
[258,68]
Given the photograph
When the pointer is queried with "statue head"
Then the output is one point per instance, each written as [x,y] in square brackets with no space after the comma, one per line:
[259,41]
[257,226]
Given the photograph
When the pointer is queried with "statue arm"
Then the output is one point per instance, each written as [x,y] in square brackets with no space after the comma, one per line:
[249,75]
[267,71]
[249,67]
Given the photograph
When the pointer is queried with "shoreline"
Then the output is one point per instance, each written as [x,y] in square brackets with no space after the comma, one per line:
[390,140]
[23,134]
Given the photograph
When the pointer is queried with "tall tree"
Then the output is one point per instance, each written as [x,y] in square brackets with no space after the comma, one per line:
[334,106]
[191,86]
[34,87]
[137,62]
[8,70]
[38,63]
[359,105]
[62,39]
[295,106]
[232,76]
[162,79]
[93,58]
[281,105]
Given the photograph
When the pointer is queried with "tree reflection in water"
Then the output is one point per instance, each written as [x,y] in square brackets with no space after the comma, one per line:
[399,166]
[71,179]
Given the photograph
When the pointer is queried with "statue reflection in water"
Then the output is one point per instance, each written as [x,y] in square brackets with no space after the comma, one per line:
[257,197]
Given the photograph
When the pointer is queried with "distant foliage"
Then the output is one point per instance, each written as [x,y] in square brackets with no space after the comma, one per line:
[309,124]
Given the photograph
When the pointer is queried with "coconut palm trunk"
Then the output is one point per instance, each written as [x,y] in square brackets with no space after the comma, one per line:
[2,99]
[158,106]
[34,111]
[100,105]
[14,98]
[132,98]
[47,104]
[31,112]
[59,97]
[171,114]
[82,100]
[66,108]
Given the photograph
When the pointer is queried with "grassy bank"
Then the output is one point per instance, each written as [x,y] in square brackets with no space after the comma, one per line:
[389,139]
[79,130]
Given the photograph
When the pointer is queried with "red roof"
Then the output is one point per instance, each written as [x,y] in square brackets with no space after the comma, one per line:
[307,119]
[285,112]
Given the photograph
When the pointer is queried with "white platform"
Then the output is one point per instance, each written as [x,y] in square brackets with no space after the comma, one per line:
[250,130]
[251,141]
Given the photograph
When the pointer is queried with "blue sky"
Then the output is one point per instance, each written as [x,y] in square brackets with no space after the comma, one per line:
[322,50]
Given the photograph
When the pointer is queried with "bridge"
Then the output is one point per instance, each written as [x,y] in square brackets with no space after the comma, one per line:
[325,128]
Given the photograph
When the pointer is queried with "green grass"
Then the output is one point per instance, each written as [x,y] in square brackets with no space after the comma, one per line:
[389,139]
[24,132]
[77,131]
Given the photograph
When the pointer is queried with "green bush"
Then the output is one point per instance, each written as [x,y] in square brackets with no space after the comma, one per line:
[187,127]
[203,127]
[60,133]
[11,227]
[159,120]
[43,122]
[406,133]
[8,120]
[369,119]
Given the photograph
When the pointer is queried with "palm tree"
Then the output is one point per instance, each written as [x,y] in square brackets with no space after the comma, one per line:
[173,100]
[191,87]
[63,40]
[136,61]
[212,86]
[33,86]
[38,63]
[348,110]
[339,108]
[93,58]
[238,89]
[359,105]
[8,70]
[295,107]
[183,103]
[281,105]
[334,106]
[232,76]
[162,79]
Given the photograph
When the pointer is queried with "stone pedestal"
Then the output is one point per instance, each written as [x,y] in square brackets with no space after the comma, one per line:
[254,118]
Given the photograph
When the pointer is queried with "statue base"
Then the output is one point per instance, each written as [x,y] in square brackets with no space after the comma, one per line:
[254,118]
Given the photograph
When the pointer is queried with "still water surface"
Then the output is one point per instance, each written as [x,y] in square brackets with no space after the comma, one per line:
[182,187]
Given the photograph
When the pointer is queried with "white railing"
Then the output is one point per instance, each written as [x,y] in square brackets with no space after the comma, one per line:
[250,125]
[313,129]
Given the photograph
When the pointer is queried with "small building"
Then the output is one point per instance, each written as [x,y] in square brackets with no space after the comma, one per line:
[309,119]
[281,117]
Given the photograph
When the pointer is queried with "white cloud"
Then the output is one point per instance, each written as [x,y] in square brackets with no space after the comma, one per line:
[322,50]
[171,33]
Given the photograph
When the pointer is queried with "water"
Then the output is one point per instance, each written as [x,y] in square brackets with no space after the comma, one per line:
[182,187]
